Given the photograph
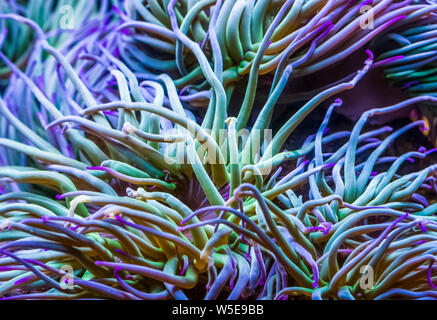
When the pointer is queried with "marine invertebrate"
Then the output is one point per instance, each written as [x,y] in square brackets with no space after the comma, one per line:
[100,176]
[53,17]
[252,38]
[413,66]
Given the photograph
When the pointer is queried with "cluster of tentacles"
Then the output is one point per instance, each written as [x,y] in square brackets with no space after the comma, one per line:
[113,186]
[413,66]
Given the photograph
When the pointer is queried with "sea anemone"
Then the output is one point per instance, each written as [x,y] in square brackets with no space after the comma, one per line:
[57,18]
[413,66]
[112,188]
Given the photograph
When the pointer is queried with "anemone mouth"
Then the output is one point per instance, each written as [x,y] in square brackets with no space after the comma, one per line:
[190,192]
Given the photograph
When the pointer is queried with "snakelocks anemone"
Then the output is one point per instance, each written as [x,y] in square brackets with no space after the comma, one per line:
[115,185]
[413,67]
[54,17]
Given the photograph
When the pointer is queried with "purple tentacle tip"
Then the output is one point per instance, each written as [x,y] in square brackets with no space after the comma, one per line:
[96,168]
[185,267]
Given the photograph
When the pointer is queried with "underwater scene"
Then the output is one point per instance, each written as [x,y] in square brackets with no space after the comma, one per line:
[218,150]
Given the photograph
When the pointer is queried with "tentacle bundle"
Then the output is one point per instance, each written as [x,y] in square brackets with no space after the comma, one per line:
[410,56]
[111,188]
